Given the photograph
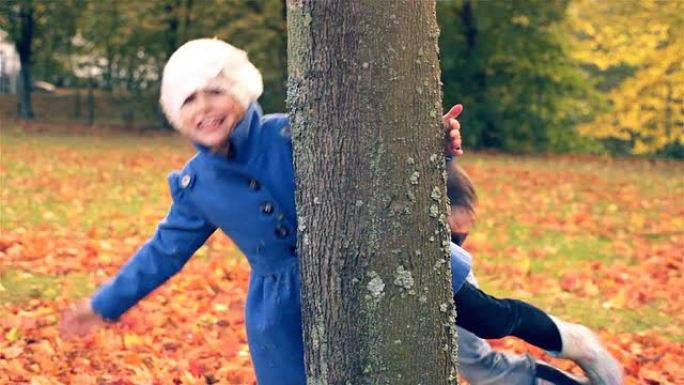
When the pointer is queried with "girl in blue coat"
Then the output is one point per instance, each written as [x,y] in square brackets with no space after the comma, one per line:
[241,180]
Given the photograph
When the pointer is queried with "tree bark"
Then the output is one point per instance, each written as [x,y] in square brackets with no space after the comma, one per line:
[365,104]
[91,101]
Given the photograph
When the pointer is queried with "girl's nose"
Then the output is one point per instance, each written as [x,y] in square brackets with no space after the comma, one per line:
[202,102]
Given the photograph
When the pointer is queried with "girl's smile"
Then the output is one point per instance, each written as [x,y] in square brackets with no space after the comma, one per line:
[209,116]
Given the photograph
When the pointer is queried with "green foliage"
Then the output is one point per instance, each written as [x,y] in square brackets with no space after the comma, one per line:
[636,49]
[136,40]
[123,47]
[534,76]
[260,28]
[54,26]
[507,62]
[18,286]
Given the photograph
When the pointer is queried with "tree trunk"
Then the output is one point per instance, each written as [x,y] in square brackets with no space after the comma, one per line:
[77,100]
[365,103]
[108,75]
[24,105]
[187,21]
[489,136]
[171,9]
[91,101]
[24,49]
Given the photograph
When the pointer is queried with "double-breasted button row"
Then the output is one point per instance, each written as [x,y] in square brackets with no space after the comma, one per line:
[266,208]
[254,185]
[281,231]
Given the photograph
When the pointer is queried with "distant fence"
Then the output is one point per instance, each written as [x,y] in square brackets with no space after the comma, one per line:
[72,106]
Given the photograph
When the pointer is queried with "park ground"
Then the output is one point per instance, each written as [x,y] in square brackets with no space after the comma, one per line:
[598,241]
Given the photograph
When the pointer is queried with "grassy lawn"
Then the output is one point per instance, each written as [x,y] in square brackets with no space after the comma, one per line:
[549,217]
[593,240]
[591,232]
[21,286]
[64,191]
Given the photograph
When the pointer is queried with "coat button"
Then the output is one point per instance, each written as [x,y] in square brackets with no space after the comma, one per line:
[293,249]
[254,185]
[185,181]
[267,208]
[281,231]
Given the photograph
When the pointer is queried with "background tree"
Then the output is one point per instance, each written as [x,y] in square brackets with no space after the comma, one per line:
[535,76]
[507,62]
[41,32]
[20,19]
[260,28]
[636,49]
[365,101]
[127,46]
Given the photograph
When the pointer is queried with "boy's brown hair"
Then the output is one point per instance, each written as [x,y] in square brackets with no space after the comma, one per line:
[460,189]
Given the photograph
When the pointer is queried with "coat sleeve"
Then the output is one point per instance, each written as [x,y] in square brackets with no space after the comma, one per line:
[176,239]
[461,264]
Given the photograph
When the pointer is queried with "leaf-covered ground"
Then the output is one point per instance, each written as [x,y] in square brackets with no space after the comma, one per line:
[596,241]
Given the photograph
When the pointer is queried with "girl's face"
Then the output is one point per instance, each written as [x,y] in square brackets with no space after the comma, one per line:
[208,116]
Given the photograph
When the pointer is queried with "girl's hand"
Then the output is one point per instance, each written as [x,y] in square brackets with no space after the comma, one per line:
[452,139]
[79,320]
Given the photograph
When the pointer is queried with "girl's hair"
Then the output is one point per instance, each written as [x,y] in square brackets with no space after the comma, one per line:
[460,189]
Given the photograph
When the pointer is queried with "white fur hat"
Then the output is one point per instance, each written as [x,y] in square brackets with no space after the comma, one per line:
[204,63]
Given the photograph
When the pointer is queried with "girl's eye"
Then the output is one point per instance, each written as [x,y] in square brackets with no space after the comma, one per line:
[190,99]
[215,91]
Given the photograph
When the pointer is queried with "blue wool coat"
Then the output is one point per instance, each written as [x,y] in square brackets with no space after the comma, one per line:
[250,197]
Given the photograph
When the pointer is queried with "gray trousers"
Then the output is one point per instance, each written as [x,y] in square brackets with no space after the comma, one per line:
[479,364]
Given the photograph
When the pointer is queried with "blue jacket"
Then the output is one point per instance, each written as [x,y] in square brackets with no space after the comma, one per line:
[461,264]
[251,198]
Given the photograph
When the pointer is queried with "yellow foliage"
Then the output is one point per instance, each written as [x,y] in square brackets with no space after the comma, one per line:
[647,108]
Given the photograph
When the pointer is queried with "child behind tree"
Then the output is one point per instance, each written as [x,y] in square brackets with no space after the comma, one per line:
[490,317]
[240,181]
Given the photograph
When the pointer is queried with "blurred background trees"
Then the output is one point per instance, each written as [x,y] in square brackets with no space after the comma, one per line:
[635,51]
[583,76]
[507,61]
